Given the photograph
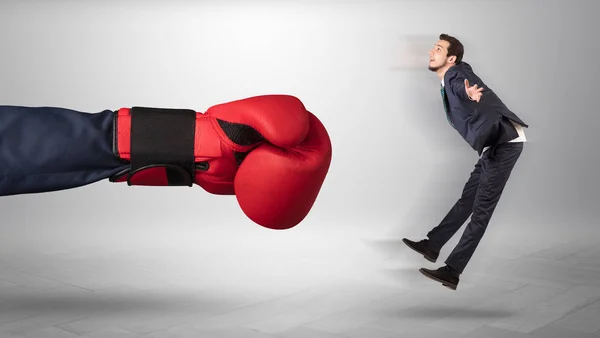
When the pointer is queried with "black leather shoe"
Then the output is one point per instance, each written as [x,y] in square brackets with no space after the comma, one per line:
[445,275]
[422,247]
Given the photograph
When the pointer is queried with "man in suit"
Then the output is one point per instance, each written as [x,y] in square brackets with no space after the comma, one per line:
[491,129]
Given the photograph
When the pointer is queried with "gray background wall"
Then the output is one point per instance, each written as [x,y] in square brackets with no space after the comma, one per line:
[359,65]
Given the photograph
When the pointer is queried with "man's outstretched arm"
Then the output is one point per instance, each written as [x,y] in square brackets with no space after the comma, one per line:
[459,85]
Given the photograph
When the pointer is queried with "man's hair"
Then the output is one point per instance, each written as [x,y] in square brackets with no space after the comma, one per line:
[455,47]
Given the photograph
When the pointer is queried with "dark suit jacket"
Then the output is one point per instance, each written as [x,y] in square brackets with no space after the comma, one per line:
[483,123]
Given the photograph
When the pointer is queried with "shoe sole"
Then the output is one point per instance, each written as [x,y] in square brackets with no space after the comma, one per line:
[443,282]
[432,260]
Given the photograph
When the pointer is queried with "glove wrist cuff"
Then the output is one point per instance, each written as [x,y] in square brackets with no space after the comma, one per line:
[156,140]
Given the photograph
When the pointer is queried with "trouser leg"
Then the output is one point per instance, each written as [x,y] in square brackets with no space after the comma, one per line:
[495,171]
[458,214]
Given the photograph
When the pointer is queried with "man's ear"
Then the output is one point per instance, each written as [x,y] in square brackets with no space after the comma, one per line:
[452,59]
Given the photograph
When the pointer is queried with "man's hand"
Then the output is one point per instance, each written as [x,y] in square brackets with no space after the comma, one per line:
[473,92]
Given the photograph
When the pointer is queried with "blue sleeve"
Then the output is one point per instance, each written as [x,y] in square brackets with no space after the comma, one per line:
[456,83]
[47,149]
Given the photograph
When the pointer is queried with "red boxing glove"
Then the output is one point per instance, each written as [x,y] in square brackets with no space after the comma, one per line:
[268,150]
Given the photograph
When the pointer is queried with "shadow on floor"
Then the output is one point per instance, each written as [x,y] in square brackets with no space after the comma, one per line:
[430,311]
[75,302]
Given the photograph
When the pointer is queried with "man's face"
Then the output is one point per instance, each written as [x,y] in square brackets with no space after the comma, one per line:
[438,55]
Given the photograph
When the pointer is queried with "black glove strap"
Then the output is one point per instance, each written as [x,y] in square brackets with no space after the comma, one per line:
[164,137]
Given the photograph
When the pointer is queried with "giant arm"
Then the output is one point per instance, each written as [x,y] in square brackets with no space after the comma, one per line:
[268,151]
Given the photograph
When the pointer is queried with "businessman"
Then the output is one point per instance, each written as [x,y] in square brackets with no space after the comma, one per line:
[491,129]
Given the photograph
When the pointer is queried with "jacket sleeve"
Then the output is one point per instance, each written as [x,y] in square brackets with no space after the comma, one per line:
[45,149]
[456,83]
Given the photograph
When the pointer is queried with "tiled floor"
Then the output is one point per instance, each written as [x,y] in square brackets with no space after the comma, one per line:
[318,281]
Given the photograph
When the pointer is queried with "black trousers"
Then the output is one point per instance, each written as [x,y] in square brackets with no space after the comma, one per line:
[479,198]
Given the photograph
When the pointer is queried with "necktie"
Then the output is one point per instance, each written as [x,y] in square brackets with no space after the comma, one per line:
[445,100]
